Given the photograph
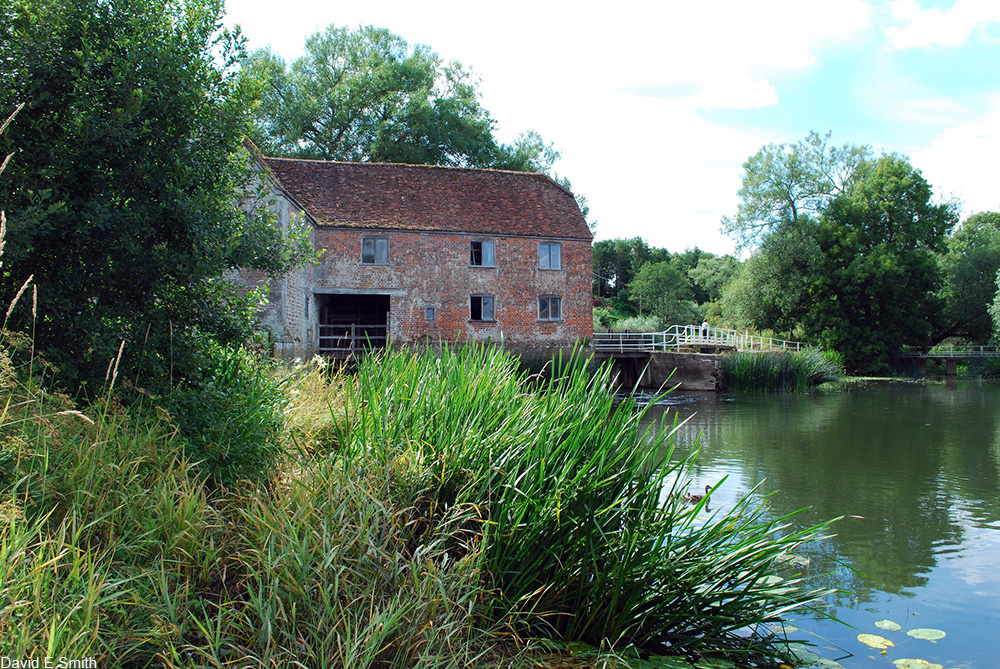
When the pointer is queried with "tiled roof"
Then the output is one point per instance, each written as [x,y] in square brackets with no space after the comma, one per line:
[424,197]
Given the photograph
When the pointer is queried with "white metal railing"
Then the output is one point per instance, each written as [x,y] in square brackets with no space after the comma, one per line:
[678,336]
[953,352]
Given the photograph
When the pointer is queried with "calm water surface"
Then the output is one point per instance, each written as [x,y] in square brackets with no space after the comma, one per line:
[914,469]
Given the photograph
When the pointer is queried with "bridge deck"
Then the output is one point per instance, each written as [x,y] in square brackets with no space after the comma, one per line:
[690,339]
[953,352]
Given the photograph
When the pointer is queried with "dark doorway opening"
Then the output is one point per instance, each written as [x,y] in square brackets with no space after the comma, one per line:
[352,323]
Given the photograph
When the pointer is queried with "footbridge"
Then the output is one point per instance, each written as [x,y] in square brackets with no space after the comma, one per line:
[683,355]
[690,339]
[950,354]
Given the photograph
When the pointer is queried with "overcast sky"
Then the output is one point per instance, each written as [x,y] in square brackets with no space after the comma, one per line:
[656,105]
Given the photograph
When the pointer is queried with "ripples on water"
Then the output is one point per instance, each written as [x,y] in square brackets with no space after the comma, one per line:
[919,466]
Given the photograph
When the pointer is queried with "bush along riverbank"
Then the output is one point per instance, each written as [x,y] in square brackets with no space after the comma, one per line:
[757,371]
[435,509]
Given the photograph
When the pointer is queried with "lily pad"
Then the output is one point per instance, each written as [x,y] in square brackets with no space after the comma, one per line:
[875,641]
[916,664]
[802,654]
[824,663]
[928,634]
[888,625]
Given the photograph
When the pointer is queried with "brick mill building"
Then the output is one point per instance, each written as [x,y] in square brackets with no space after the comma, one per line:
[416,253]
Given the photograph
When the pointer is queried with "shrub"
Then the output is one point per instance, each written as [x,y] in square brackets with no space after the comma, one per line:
[986,368]
[769,371]
[604,318]
[648,323]
[232,418]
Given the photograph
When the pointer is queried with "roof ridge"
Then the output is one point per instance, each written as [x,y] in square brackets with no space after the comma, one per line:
[427,197]
[323,161]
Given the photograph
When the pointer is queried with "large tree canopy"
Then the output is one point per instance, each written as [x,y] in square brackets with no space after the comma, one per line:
[876,289]
[783,182]
[970,267]
[772,289]
[121,195]
[861,275]
[367,95]
[664,291]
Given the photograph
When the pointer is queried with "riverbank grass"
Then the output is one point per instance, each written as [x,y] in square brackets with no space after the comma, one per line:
[440,508]
[774,371]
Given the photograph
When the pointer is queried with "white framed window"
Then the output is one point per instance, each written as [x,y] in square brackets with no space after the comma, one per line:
[481,308]
[549,255]
[375,251]
[550,308]
[482,254]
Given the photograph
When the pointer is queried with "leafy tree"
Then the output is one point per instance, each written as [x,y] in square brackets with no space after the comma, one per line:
[616,263]
[783,182]
[861,278]
[772,290]
[710,274]
[122,191]
[970,266]
[529,153]
[367,95]
[876,288]
[662,290]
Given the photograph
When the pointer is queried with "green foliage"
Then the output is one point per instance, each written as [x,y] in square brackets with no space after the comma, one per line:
[123,184]
[984,368]
[662,290]
[584,532]
[231,417]
[604,318]
[617,261]
[772,289]
[710,275]
[877,286]
[755,371]
[365,94]
[461,501]
[861,278]
[676,287]
[649,323]
[781,183]
[970,264]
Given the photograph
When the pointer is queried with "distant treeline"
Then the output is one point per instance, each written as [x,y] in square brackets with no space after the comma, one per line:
[642,287]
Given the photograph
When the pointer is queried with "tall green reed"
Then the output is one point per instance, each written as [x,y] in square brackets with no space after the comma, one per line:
[586,536]
[756,371]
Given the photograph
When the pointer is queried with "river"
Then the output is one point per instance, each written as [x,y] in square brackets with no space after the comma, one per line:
[915,471]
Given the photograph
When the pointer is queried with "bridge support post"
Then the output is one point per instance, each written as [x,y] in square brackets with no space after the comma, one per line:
[951,367]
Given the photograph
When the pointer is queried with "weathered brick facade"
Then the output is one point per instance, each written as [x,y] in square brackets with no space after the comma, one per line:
[429,285]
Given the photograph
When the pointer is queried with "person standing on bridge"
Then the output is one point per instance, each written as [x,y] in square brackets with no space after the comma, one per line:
[704,329]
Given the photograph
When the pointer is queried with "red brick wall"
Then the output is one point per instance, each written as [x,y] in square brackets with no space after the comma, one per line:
[433,269]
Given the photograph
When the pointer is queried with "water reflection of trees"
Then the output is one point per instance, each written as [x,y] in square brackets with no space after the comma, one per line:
[902,457]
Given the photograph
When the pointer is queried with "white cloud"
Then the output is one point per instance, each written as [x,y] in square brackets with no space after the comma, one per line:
[935,109]
[963,162]
[935,27]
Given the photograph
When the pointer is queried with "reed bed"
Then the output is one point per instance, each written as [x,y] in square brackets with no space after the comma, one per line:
[754,371]
[443,508]
[579,510]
